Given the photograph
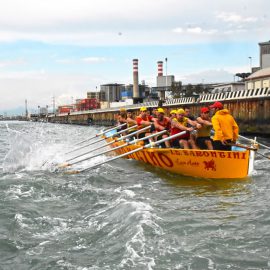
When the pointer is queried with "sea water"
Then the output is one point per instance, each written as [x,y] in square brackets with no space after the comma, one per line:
[124,214]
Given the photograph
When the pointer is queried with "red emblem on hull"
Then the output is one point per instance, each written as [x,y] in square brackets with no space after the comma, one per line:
[210,165]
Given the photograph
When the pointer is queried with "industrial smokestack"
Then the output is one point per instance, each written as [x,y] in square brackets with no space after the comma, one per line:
[26,109]
[136,93]
[160,68]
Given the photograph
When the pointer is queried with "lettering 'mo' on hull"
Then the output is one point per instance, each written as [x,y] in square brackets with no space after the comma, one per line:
[197,163]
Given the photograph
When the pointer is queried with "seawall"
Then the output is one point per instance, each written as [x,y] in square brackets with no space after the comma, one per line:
[251,109]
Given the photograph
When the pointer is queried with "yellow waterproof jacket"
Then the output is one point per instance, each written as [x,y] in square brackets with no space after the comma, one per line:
[224,126]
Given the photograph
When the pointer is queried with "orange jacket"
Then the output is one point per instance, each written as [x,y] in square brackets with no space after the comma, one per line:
[225,126]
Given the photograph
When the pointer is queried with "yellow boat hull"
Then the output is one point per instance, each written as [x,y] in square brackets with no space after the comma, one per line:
[197,163]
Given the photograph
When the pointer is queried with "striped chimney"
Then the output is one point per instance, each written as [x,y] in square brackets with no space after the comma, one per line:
[160,68]
[136,93]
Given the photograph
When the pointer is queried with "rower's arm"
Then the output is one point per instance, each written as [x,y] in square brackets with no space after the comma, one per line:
[180,126]
[205,122]
[195,124]
[158,126]
[122,119]
[141,122]
[131,121]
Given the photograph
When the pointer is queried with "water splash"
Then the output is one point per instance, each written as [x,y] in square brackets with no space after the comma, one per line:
[29,150]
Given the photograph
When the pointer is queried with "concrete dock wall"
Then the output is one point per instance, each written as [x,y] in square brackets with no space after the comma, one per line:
[251,112]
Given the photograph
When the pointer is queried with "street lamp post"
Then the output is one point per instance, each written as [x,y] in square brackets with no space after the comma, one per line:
[166,60]
[250,63]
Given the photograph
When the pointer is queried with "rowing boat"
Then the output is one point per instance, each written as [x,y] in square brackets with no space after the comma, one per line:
[191,162]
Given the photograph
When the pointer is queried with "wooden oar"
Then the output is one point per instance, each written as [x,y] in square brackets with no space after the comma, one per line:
[249,148]
[101,139]
[242,146]
[99,134]
[251,140]
[128,153]
[109,143]
[113,149]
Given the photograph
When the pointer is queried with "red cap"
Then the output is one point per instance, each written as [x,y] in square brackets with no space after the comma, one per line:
[204,109]
[217,105]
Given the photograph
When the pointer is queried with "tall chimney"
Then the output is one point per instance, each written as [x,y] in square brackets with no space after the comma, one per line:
[26,109]
[160,68]
[136,93]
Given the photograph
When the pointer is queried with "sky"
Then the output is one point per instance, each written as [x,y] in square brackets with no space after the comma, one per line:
[60,49]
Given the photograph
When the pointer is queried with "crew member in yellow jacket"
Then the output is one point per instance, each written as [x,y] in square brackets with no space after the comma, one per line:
[225,127]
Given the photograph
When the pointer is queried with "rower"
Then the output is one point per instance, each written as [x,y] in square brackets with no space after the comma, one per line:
[192,137]
[203,140]
[143,120]
[173,114]
[179,124]
[122,119]
[188,113]
[153,113]
[131,121]
[162,123]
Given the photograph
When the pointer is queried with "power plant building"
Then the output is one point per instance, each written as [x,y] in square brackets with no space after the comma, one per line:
[127,92]
[164,83]
[111,92]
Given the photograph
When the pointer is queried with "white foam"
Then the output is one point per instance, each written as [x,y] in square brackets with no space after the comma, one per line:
[126,192]
[17,192]
[136,247]
[20,220]
[41,146]
[28,152]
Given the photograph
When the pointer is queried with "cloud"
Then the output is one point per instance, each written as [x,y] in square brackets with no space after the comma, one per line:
[93,59]
[88,60]
[194,30]
[30,74]
[39,87]
[178,30]
[65,47]
[64,61]
[9,63]
[124,22]
[207,76]
[235,18]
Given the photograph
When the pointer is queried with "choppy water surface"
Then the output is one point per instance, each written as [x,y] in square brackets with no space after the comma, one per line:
[123,215]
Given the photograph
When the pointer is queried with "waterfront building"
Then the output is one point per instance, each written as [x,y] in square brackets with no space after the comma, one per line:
[127,91]
[164,83]
[228,87]
[264,54]
[259,79]
[95,95]
[111,92]
[65,109]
